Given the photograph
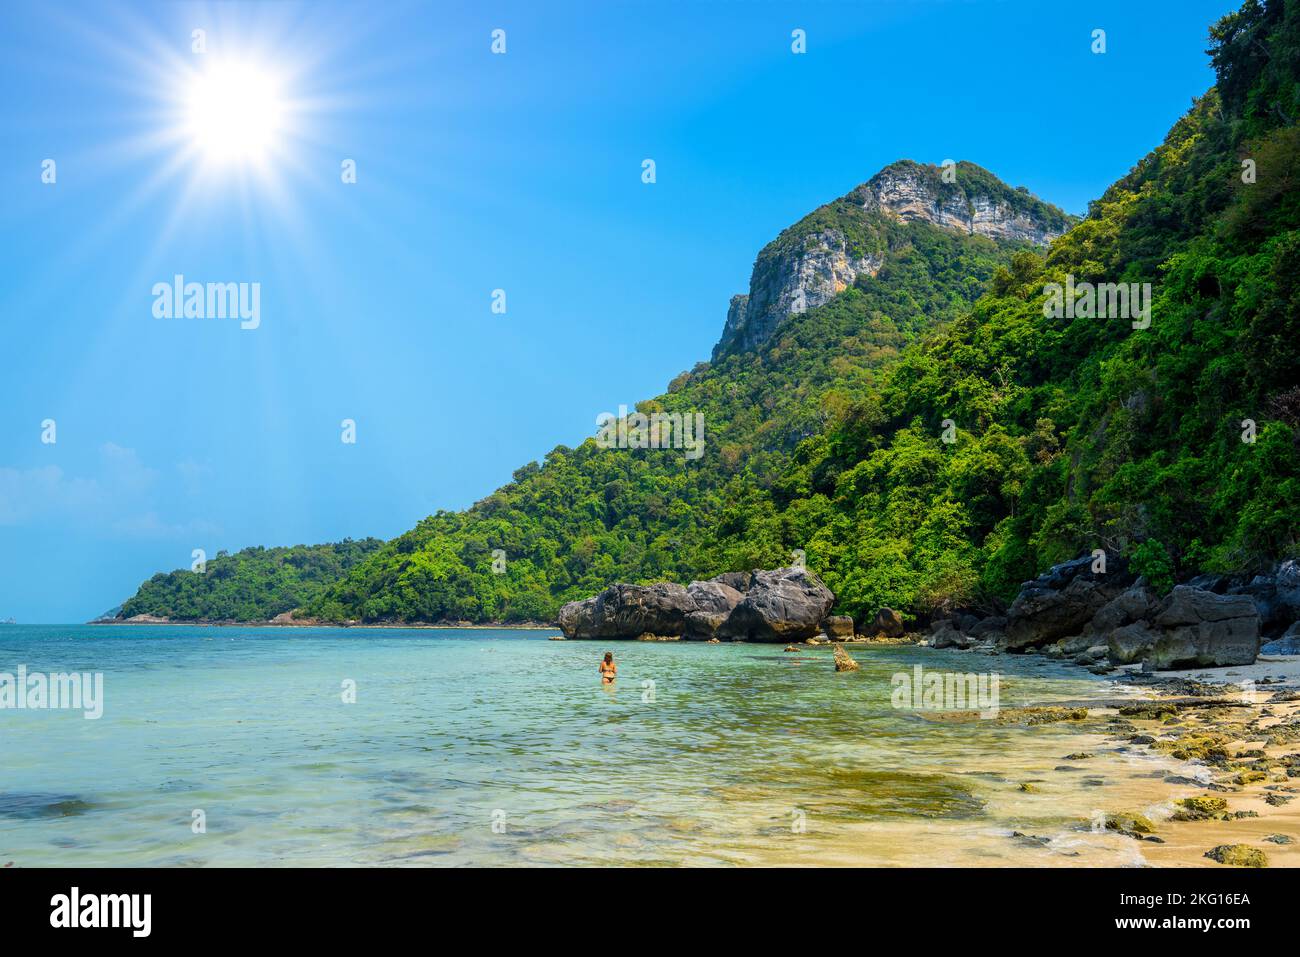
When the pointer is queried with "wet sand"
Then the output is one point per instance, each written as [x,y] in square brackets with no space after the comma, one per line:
[1187,841]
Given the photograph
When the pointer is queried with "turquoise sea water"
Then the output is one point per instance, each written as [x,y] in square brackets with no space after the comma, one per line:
[500,747]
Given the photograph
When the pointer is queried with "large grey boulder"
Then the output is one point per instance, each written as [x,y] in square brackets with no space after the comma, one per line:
[1059,603]
[714,601]
[1133,604]
[714,596]
[1130,643]
[987,628]
[788,604]
[577,619]
[1192,606]
[629,611]
[737,580]
[1211,582]
[1200,629]
[945,635]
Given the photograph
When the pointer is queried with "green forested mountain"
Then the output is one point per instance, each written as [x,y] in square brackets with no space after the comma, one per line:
[912,311]
[1078,433]
[588,516]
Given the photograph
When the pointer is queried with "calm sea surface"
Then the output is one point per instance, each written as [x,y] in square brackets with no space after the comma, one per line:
[502,748]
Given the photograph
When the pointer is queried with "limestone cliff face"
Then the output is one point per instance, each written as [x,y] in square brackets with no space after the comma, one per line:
[827,251]
[736,314]
[910,192]
[819,267]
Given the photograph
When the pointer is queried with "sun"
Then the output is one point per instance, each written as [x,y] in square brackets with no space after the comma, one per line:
[233,112]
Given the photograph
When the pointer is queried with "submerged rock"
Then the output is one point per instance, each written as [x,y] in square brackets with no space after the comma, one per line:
[1199,808]
[1131,824]
[843,662]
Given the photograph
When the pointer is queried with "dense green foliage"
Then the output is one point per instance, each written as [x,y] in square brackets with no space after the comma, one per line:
[1151,560]
[255,584]
[1074,434]
[1068,434]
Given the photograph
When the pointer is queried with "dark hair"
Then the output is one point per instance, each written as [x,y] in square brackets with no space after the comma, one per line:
[609,656]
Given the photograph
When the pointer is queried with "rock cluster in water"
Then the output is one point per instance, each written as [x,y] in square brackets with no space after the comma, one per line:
[786,604]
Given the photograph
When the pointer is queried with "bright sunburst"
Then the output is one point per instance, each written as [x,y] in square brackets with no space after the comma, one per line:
[233,112]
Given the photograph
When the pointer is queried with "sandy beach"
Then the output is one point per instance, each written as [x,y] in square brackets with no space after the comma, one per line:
[1259,781]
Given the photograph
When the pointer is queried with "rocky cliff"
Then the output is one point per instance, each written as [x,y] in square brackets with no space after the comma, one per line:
[827,251]
[975,202]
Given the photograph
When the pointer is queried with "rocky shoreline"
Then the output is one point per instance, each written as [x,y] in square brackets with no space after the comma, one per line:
[1103,619]
[1235,805]
[1214,758]
[1211,671]
[1078,610]
[1236,725]
[1237,737]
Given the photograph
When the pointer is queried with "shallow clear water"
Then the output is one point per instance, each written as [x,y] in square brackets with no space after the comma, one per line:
[741,754]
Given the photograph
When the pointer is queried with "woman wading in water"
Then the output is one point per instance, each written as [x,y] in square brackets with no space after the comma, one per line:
[608,670]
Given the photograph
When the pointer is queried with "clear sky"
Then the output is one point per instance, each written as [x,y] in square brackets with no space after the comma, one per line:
[475,171]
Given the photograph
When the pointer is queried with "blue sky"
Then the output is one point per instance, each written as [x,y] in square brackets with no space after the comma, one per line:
[475,172]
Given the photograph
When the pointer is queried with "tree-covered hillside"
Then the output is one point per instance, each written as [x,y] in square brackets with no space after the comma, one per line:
[1083,433]
[588,516]
[1068,432]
